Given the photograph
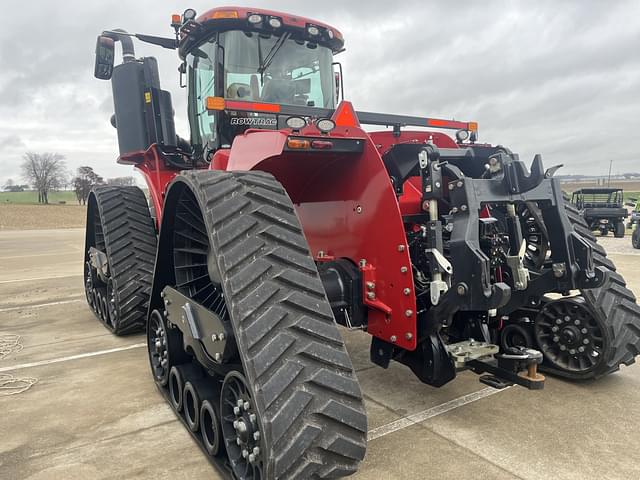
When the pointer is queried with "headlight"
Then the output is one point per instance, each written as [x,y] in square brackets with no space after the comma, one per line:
[254,18]
[462,135]
[325,125]
[275,22]
[313,30]
[296,123]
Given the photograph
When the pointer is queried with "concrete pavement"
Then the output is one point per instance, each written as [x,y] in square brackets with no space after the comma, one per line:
[97,415]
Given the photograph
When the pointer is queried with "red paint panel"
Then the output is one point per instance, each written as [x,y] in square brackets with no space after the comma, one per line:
[348,209]
[287,18]
[385,139]
[158,176]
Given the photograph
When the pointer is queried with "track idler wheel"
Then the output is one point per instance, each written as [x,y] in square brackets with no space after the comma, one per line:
[164,346]
[241,428]
[571,337]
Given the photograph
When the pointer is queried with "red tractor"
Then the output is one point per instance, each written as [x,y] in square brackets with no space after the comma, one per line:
[281,218]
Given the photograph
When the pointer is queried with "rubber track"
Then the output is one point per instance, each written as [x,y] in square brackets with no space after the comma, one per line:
[614,302]
[130,241]
[305,389]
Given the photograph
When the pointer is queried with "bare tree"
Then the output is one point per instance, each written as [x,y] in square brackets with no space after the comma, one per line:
[84,180]
[45,171]
[122,181]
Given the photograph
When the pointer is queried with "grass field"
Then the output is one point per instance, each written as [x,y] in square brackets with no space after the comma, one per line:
[31,196]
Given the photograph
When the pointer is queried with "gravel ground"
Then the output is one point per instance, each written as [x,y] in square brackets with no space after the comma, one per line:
[29,217]
[618,245]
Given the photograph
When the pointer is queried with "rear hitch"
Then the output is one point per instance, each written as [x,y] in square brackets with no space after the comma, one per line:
[517,365]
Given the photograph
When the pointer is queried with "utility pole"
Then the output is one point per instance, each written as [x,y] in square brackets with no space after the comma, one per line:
[609,181]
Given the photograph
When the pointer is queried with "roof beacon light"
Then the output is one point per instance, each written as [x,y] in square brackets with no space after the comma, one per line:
[254,18]
[313,30]
[275,22]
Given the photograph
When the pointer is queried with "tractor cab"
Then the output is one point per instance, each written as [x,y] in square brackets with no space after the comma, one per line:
[237,60]
[244,68]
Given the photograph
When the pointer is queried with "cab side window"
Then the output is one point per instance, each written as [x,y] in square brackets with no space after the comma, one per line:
[202,83]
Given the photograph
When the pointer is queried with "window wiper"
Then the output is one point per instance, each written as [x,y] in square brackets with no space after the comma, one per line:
[264,63]
[260,61]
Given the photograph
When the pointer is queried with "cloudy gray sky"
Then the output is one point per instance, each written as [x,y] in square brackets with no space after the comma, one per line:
[550,77]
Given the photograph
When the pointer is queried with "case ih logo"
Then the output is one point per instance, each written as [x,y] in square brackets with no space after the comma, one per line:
[254,121]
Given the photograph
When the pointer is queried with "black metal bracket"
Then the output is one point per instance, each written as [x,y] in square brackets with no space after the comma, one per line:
[100,263]
[507,367]
[516,179]
[204,333]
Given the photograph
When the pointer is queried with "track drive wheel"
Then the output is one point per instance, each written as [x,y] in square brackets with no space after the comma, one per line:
[290,403]
[616,316]
[119,227]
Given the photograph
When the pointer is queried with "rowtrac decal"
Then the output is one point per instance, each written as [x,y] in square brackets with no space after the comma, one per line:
[254,121]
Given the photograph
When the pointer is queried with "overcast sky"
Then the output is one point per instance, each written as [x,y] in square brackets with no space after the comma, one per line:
[557,78]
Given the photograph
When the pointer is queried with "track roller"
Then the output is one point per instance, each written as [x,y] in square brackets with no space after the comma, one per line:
[210,426]
[176,388]
[196,389]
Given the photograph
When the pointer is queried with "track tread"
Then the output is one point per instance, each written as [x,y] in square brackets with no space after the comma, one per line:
[304,385]
[130,243]
[613,302]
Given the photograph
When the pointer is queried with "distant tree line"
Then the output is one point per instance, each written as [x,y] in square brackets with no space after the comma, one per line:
[9,186]
[47,172]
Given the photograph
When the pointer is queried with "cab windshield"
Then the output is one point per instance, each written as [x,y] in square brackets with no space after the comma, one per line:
[257,67]
[273,69]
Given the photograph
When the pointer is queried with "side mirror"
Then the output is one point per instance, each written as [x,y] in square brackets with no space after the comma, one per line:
[105,48]
[337,75]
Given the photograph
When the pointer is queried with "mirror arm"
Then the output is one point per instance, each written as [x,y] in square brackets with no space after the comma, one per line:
[119,35]
[170,43]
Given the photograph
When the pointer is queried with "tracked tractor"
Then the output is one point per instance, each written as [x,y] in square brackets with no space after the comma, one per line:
[281,220]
